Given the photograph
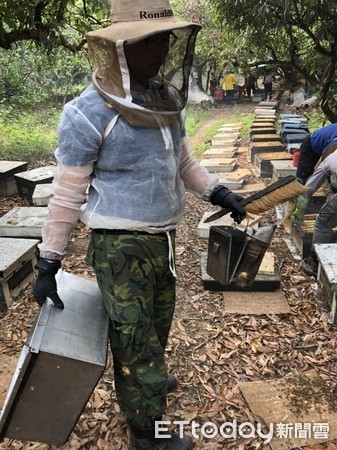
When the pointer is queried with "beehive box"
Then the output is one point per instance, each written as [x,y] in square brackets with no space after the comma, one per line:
[262,124]
[261,131]
[26,181]
[327,274]
[7,171]
[282,168]
[265,137]
[301,234]
[254,150]
[17,261]
[263,162]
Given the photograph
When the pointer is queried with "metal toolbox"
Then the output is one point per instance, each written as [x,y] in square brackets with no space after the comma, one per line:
[59,366]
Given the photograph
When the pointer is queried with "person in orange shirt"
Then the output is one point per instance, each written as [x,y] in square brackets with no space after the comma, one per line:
[228,84]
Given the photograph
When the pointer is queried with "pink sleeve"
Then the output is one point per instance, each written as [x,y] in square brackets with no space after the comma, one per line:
[69,193]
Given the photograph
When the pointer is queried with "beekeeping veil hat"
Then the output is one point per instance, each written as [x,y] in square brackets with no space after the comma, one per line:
[166,93]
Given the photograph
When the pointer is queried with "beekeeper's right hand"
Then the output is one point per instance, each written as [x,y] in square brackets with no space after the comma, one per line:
[301,206]
[45,285]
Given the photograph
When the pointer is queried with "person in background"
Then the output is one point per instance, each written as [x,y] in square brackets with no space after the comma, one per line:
[312,148]
[268,83]
[125,137]
[228,84]
[213,82]
[251,84]
[326,220]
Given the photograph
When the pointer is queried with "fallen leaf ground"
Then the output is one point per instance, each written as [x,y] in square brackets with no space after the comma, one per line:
[209,351]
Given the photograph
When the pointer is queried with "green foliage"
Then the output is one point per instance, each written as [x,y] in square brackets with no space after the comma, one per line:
[51,24]
[29,136]
[31,76]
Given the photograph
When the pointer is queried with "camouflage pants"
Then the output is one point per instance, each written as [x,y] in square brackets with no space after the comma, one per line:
[326,221]
[138,289]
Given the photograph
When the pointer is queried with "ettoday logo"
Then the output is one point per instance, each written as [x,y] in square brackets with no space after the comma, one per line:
[246,430]
[209,430]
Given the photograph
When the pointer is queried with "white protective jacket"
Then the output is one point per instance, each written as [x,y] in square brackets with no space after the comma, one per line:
[137,175]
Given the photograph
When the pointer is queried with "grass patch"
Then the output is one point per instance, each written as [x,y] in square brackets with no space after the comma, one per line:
[30,136]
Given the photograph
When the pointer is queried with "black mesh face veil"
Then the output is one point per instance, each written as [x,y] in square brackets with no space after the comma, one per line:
[168,90]
[165,92]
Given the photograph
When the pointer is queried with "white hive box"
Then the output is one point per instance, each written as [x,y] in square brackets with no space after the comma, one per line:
[42,194]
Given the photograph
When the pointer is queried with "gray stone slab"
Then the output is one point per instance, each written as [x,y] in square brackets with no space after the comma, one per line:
[219,152]
[25,221]
[225,136]
[232,184]
[270,111]
[268,103]
[219,164]
[238,174]
[223,142]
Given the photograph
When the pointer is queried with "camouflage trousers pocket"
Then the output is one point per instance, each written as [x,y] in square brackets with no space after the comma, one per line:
[126,333]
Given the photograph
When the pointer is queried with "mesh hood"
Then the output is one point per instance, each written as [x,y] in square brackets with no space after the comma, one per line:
[166,94]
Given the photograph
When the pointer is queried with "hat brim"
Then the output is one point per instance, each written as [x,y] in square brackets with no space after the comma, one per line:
[137,30]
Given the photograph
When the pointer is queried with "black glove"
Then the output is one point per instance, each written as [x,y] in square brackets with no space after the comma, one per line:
[225,198]
[45,285]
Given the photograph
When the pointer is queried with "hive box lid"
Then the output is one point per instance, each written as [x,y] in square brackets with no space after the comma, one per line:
[38,174]
[10,167]
[59,366]
[12,250]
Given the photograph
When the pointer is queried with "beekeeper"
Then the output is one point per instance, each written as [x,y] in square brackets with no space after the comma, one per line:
[124,136]
[326,220]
